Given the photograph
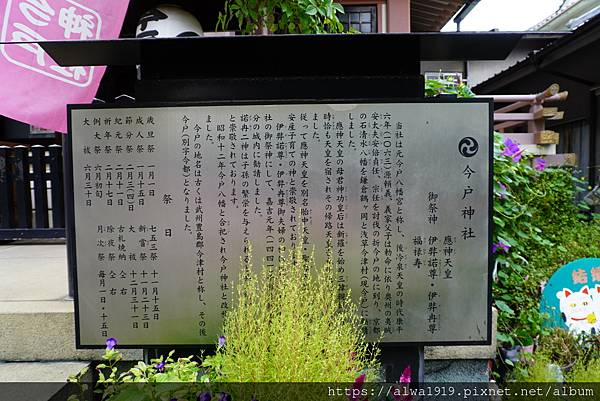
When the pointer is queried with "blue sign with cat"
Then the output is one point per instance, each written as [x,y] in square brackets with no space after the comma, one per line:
[571,297]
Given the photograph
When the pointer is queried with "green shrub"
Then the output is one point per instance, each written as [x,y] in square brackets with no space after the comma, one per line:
[536,368]
[585,373]
[289,325]
[282,16]
[561,347]
[561,356]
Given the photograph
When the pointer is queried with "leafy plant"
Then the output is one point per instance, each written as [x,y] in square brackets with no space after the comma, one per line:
[282,16]
[585,373]
[567,350]
[116,385]
[435,87]
[561,357]
[536,368]
[289,325]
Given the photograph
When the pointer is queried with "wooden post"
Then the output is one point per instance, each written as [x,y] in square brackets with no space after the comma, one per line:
[5,198]
[39,186]
[56,185]
[22,188]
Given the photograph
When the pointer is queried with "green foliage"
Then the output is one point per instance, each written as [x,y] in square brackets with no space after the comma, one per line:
[566,350]
[116,385]
[518,191]
[585,373]
[290,325]
[282,16]
[536,369]
[435,87]
[561,357]
[538,217]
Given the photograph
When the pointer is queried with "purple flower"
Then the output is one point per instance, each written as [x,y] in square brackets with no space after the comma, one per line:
[221,341]
[160,366]
[224,397]
[503,190]
[500,245]
[512,150]
[539,164]
[111,343]
[205,396]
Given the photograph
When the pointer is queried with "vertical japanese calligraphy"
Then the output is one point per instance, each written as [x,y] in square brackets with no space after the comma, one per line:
[169,202]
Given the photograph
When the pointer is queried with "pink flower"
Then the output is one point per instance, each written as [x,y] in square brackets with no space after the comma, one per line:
[399,392]
[356,388]
[406,374]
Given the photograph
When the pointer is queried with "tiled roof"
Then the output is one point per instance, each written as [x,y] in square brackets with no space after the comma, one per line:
[535,58]
[563,9]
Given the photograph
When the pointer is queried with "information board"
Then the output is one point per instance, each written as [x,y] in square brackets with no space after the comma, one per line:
[166,198]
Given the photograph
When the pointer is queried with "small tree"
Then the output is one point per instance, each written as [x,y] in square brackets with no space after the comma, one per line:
[282,16]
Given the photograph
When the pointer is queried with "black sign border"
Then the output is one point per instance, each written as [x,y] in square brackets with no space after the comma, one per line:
[70,211]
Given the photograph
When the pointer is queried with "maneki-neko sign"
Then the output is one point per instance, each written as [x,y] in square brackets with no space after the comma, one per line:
[572,297]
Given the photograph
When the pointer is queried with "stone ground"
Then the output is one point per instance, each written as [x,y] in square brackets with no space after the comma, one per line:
[37,332]
[33,274]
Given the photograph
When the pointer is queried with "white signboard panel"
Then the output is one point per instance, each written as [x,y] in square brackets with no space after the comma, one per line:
[166,199]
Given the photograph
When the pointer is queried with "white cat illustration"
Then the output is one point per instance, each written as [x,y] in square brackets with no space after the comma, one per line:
[579,310]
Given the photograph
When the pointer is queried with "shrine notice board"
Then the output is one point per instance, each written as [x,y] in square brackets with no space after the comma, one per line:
[163,200]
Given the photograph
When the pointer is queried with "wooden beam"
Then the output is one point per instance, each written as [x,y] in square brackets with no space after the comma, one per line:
[562,159]
[512,107]
[519,116]
[559,97]
[550,111]
[546,137]
[429,14]
[539,150]
[549,94]
[420,6]
[558,116]
[507,125]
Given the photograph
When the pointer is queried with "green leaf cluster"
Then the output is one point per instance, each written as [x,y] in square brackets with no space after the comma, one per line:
[561,357]
[435,87]
[116,384]
[282,16]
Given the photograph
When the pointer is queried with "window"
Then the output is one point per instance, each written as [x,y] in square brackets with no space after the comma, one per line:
[360,18]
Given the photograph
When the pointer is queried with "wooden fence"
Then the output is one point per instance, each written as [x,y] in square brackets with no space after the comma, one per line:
[523,120]
[31,192]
